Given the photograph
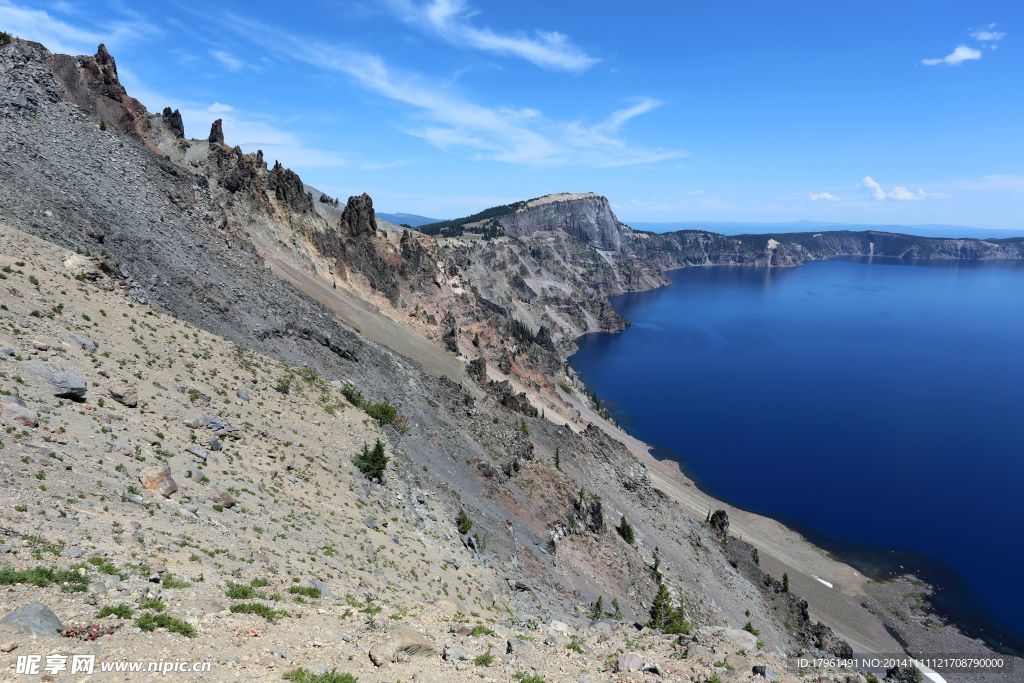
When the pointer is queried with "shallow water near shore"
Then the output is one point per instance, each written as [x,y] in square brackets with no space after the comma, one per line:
[876,406]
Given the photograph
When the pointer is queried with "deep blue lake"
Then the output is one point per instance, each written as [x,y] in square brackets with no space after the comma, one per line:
[877,407]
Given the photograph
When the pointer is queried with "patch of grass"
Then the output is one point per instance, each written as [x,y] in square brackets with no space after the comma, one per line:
[170,581]
[486,659]
[575,644]
[268,613]
[308,591]
[239,591]
[41,577]
[151,622]
[481,630]
[259,583]
[121,611]
[530,678]
[749,628]
[153,604]
[332,676]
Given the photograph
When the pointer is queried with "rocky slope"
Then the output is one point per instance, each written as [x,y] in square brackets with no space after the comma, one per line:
[221,293]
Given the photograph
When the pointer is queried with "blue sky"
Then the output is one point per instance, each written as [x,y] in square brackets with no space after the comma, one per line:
[868,112]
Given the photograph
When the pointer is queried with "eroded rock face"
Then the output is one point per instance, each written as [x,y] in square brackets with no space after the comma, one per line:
[287,187]
[358,217]
[217,133]
[172,119]
[449,329]
[588,218]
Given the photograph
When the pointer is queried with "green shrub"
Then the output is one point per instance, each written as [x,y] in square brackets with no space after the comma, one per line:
[749,628]
[625,530]
[308,591]
[372,463]
[530,678]
[463,522]
[481,630]
[41,577]
[332,676]
[382,412]
[150,622]
[153,604]
[121,611]
[237,591]
[5,38]
[486,659]
[268,613]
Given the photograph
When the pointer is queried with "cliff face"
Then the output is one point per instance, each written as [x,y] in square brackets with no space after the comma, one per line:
[587,217]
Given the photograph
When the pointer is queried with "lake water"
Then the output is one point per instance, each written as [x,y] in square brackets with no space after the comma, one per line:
[878,407]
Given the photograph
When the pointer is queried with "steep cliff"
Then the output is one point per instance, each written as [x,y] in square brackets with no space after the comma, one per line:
[587,217]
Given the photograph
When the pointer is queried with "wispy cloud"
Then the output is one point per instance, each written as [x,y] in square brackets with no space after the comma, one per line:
[822,197]
[230,62]
[448,120]
[60,36]
[897,193]
[249,130]
[959,55]
[451,20]
[988,34]
[385,165]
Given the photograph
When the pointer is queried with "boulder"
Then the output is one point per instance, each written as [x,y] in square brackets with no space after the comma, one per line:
[17,411]
[85,343]
[224,499]
[158,480]
[765,672]
[630,661]
[403,642]
[34,618]
[125,394]
[63,383]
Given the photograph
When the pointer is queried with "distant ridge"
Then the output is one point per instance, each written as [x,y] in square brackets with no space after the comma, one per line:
[756,227]
[409,219]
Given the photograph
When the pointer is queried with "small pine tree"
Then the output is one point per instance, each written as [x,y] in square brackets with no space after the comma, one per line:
[597,609]
[625,530]
[785,582]
[616,610]
[476,339]
[103,125]
[656,566]
[665,616]
[661,608]
[463,522]
[523,428]
[558,459]
[372,463]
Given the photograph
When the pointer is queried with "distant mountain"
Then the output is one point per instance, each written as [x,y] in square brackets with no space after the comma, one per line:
[753,227]
[407,218]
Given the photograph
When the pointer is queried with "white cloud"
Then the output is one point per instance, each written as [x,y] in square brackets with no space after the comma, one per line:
[385,165]
[451,20]
[959,55]
[62,37]
[249,130]
[230,62]
[823,197]
[898,192]
[988,34]
[447,120]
